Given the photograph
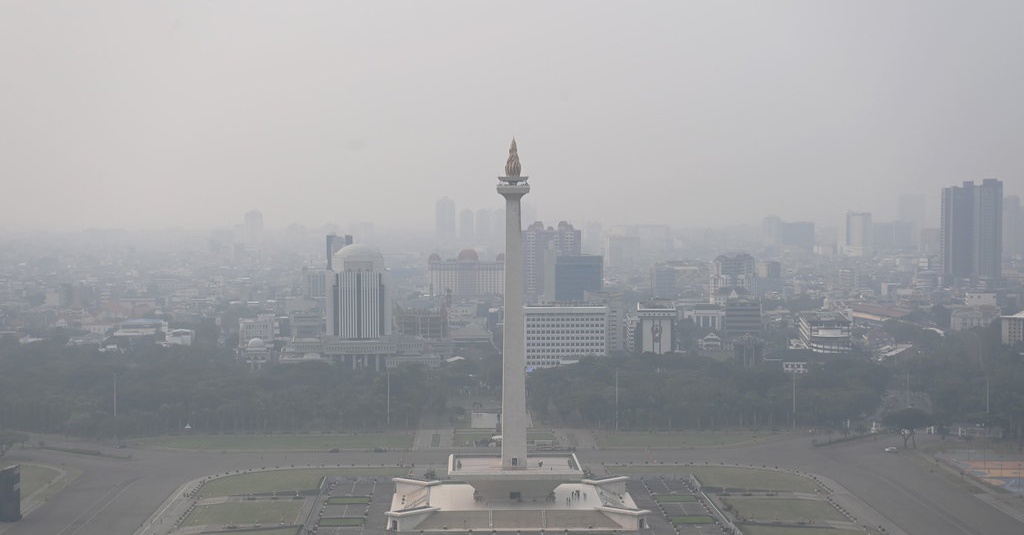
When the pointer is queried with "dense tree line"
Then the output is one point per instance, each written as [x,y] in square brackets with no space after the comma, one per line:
[47,387]
[692,392]
[971,378]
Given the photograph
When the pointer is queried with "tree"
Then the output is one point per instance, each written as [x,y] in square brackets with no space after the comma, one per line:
[907,421]
[10,438]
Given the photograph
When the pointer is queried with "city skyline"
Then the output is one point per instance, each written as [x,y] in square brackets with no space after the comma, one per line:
[327,113]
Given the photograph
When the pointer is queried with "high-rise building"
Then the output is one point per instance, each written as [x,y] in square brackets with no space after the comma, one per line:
[769,277]
[253,229]
[358,295]
[334,244]
[858,235]
[971,230]
[444,221]
[734,270]
[1013,226]
[539,242]
[573,276]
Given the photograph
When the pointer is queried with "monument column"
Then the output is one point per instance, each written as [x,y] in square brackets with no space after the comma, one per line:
[512,187]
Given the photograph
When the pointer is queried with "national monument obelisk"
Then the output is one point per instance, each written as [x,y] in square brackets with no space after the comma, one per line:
[510,492]
[513,187]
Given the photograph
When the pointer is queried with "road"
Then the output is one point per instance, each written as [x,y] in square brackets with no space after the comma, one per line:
[117,496]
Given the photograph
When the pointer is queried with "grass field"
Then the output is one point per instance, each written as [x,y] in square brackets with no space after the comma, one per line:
[278,531]
[360,441]
[344,521]
[691,519]
[675,498]
[780,530]
[683,439]
[752,479]
[782,509]
[255,512]
[346,500]
[728,476]
[285,481]
[33,477]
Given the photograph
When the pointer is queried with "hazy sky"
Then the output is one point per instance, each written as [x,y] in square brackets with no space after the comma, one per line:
[153,114]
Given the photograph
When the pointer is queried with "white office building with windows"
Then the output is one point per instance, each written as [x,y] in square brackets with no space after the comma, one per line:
[358,295]
[557,335]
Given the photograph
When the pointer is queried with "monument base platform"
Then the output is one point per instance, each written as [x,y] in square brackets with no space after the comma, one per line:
[581,506]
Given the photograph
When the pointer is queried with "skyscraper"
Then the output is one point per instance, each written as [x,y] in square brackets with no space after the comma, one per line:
[334,244]
[358,295]
[540,246]
[858,235]
[1013,226]
[253,229]
[444,221]
[971,230]
[733,271]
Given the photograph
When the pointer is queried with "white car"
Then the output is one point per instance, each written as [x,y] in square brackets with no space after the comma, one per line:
[891,449]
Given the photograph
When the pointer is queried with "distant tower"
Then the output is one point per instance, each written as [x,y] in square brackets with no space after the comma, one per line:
[444,221]
[541,246]
[1013,226]
[253,229]
[334,244]
[858,235]
[513,187]
[971,231]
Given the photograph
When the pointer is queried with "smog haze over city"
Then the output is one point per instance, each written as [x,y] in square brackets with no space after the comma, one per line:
[455,267]
[144,115]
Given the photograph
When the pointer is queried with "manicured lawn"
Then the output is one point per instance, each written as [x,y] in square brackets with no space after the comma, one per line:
[312,442]
[782,509]
[683,439]
[278,531]
[780,530]
[732,477]
[343,500]
[342,521]
[34,477]
[675,498]
[286,481]
[254,512]
[691,519]
[751,479]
